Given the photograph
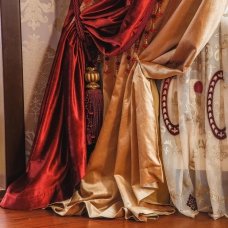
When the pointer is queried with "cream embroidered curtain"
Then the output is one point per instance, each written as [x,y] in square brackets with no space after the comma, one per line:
[196,158]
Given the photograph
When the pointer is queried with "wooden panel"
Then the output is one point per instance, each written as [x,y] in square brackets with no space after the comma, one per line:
[13,89]
[2,121]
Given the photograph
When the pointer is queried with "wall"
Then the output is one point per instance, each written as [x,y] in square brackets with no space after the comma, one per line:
[42,22]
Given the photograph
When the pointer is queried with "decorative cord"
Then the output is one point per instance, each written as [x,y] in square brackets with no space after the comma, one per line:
[78,23]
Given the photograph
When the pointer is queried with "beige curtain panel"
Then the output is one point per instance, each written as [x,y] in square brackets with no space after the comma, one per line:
[196,159]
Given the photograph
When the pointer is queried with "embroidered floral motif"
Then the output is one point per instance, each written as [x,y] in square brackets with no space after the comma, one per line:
[33,12]
[218,133]
[192,203]
[172,128]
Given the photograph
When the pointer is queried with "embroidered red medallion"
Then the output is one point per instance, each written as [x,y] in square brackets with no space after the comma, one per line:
[172,128]
[218,133]
[198,87]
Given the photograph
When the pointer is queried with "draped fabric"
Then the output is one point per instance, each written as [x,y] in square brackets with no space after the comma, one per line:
[58,157]
[125,175]
[196,158]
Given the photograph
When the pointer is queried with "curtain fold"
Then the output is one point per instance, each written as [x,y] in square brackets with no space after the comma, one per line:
[58,157]
[125,175]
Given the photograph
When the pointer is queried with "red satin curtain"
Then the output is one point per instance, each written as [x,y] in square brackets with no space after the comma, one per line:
[58,157]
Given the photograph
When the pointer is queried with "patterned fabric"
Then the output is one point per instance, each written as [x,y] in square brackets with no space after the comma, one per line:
[42,23]
[196,158]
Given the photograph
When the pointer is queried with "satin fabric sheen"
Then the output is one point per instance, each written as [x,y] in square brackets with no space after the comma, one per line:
[124,177]
[58,157]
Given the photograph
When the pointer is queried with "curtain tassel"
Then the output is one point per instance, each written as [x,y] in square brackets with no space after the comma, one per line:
[93,107]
